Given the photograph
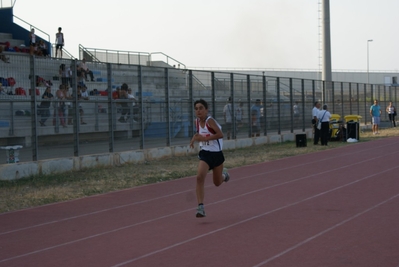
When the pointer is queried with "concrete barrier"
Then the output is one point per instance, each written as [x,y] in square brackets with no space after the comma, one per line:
[59,165]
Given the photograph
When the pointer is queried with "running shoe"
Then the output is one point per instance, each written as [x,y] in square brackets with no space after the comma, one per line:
[226,175]
[200,211]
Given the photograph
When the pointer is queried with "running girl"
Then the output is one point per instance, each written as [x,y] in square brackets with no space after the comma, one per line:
[210,137]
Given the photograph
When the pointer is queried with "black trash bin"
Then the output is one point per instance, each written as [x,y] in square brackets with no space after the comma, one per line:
[352,130]
[301,140]
[353,126]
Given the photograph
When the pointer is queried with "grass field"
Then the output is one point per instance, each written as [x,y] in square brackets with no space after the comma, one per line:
[40,190]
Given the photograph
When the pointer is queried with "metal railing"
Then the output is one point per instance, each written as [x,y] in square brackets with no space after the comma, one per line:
[7,3]
[32,26]
[114,56]
[165,58]
[65,53]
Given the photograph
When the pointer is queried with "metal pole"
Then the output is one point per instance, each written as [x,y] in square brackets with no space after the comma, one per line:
[368,80]
[327,73]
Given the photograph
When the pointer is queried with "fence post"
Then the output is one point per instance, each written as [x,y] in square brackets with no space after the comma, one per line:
[313,91]
[350,98]
[140,95]
[232,112]
[213,84]
[342,98]
[357,98]
[278,106]
[365,103]
[333,96]
[249,106]
[264,89]
[167,98]
[35,147]
[76,116]
[111,111]
[303,104]
[291,107]
[191,108]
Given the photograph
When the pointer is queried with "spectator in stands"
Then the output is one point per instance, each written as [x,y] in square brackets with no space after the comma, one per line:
[116,93]
[125,108]
[66,74]
[2,56]
[43,48]
[44,107]
[131,96]
[32,41]
[60,41]
[80,75]
[134,104]
[256,115]
[96,92]
[38,51]
[2,92]
[86,70]
[82,95]
[60,94]
[68,105]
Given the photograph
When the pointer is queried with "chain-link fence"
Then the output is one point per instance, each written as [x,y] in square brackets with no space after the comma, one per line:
[161,114]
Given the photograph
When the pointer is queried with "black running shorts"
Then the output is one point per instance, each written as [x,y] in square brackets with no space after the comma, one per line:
[213,159]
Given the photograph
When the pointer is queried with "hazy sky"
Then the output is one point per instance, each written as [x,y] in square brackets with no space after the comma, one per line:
[227,33]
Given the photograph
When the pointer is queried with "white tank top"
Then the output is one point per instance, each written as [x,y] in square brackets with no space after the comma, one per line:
[59,38]
[210,145]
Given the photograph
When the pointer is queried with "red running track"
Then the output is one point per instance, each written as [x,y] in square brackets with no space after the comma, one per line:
[338,207]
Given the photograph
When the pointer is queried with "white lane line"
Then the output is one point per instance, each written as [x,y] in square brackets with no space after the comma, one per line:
[252,218]
[325,231]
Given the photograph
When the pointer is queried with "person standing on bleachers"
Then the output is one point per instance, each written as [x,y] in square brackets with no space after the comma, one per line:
[32,41]
[66,74]
[60,42]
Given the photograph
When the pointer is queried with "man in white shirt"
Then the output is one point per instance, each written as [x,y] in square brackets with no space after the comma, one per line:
[324,116]
[315,113]
[131,96]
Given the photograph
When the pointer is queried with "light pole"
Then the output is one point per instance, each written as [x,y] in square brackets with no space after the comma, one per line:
[368,41]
